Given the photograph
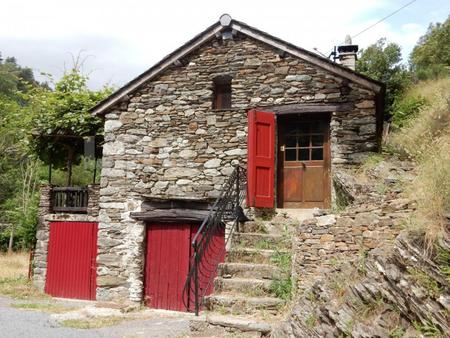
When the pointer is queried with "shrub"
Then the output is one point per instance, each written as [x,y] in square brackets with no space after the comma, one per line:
[406,108]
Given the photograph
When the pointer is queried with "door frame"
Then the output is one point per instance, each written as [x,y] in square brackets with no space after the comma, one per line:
[280,122]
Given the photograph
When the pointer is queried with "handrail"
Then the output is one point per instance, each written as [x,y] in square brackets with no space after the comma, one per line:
[205,260]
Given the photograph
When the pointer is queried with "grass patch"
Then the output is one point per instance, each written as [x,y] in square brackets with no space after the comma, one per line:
[443,261]
[93,323]
[13,266]
[397,332]
[283,260]
[367,309]
[13,277]
[427,329]
[370,162]
[282,288]
[45,307]
[426,139]
[428,283]
[20,288]
[311,321]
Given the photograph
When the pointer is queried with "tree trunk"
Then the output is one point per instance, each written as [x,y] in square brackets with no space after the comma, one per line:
[11,240]
[70,155]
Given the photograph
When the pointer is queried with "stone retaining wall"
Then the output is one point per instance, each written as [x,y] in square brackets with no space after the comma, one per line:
[324,241]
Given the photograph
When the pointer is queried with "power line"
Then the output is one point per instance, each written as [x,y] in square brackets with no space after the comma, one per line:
[386,17]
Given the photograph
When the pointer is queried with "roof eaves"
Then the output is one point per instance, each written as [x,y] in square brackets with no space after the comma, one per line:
[166,62]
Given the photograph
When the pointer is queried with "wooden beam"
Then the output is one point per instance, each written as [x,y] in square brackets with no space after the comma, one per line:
[150,205]
[300,108]
[171,215]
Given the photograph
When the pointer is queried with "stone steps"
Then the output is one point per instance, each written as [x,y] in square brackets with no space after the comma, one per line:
[232,303]
[249,270]
[239,323]
[254,227]
[250,255]
[260,241]
[246,286]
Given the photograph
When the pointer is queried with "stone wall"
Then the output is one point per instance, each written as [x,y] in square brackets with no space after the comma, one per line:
[396,291]
[165,141]
[45,216]
[323,241]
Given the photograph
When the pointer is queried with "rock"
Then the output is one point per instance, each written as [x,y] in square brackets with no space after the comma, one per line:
[181,172]
[214,163]
[298,78]
[112,125]
[187,153]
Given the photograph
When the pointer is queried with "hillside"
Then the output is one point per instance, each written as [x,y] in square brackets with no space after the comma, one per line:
[391,287]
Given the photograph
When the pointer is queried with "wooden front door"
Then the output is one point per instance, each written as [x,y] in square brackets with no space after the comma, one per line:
[304,161]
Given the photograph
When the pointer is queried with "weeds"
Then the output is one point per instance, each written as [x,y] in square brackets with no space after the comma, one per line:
[398,332]
[367,309]
[92,323]
[19,288]
[426,139]
[282,288]
[427,329]
[311,320]
[443,260]
[428,283]
[46,307]
[361,263]
[283,260]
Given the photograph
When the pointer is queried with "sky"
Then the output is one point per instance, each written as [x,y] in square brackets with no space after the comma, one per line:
[118,40]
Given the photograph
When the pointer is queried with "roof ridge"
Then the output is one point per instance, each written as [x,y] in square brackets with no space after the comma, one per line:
[225,22]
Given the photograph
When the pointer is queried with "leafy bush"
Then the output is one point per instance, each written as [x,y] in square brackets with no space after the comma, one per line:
[406,108]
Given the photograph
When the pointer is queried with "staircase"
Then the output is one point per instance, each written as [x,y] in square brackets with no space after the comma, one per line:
[252,282]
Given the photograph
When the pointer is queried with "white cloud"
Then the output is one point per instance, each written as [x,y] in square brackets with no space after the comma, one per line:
[127,37]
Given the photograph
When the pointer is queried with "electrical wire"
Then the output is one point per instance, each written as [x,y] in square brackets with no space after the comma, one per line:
[386,17]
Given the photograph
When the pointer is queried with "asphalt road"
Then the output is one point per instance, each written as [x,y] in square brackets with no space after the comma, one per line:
[29,323]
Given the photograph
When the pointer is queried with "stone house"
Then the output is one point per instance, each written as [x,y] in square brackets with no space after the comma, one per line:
[232,95]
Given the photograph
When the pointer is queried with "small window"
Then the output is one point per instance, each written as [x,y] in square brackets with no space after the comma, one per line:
[222,92]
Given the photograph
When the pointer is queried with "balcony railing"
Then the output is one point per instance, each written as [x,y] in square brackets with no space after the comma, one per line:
[70,199]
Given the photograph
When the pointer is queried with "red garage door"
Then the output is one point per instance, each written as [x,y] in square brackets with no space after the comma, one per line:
[72,252]
[167,264]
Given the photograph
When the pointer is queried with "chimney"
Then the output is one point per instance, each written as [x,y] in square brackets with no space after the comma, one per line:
[347,53]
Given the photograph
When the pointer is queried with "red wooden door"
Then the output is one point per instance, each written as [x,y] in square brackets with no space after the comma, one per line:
[167,264]
[71,260]
[261,159]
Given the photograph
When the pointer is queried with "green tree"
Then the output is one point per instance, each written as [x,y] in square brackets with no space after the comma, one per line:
[62,119]
[34,119]
[18,181]
[430,57]
[382,61]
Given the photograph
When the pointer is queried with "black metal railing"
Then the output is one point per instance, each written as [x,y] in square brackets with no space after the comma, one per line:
[209,243]
[70,199]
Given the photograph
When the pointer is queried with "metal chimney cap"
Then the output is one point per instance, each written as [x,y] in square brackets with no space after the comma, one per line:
[225,20]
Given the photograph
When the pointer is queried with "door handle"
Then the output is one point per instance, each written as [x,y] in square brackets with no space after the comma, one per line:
[282,148]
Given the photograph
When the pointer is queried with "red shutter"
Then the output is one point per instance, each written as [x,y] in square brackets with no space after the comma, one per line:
[261,159]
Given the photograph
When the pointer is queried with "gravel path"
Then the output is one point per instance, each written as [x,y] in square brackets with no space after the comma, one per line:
[28,323]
